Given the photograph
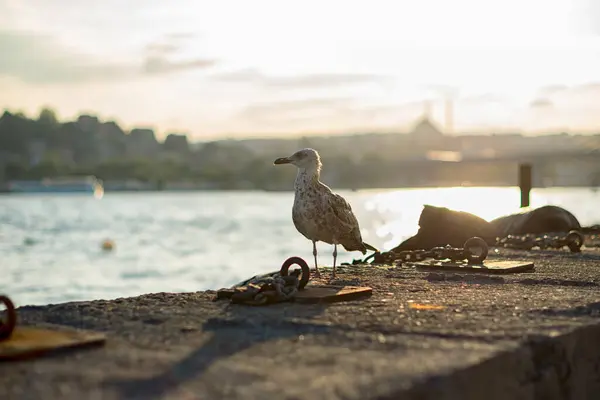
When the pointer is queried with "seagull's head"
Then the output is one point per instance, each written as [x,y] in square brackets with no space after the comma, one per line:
[307,159]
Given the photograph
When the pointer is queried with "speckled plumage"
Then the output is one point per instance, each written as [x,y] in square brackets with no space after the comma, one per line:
[324,216]
[318,213]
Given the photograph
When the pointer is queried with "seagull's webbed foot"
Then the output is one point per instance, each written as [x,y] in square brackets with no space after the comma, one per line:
[317,274]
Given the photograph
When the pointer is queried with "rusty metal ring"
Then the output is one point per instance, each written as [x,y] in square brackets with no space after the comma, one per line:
[302,264]
[7,327]
[575,240]
[476,242]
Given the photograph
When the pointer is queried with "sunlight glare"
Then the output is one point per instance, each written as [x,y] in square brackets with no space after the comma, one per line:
[400,209]
[394,214]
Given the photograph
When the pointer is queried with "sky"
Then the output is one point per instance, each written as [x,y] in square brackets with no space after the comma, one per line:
[238,68]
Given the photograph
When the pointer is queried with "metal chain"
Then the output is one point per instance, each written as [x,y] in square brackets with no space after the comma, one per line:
[574,240]
[267,290]
[592,240]
[275,287]
[437,253]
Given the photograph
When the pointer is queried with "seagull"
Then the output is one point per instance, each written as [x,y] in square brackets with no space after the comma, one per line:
[318,213]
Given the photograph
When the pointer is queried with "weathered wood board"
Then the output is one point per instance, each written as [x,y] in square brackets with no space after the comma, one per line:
[330,293]
[488,267]
[29,342]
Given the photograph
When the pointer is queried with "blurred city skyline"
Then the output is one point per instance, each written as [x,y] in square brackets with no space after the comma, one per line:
[235,69]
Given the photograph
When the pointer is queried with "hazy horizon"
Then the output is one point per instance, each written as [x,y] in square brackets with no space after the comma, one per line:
[233,69]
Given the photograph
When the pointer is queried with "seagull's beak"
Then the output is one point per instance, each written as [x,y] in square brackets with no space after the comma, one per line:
[282,160]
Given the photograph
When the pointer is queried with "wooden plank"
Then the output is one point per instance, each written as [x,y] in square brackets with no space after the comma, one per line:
[329,294]
[28,342]
[488,267]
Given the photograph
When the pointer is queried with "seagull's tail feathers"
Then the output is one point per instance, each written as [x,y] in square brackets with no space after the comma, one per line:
[357,245]
[369,247]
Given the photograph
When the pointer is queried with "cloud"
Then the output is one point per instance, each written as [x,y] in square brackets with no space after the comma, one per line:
[439,90]
[180,36]
[40,59]
[588,16]
[552,89]
[308,81]
[157,60]
[293,109]
[484,98]
[541,103]
[162,48]
[586,88]
[324,115]
[168,44]
[575,98]
[161,65]
[318,80]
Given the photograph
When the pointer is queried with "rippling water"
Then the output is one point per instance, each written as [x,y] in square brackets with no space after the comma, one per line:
[51,244]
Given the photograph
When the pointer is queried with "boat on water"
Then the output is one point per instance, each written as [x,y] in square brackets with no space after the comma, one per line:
[68,184]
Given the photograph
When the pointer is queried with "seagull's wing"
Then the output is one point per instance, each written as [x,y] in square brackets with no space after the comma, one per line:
[341,215]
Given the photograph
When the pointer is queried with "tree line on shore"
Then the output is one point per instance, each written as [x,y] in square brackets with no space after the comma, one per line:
[43,147]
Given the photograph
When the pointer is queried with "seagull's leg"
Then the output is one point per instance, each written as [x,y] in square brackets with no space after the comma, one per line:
[317,273]
[334,258]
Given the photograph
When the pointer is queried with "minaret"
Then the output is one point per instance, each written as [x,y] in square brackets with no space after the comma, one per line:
[449,118]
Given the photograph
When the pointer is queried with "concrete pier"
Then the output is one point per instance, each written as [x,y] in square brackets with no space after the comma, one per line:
[422,335]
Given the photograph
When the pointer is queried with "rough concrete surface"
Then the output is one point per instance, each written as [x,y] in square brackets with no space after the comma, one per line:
[521,336]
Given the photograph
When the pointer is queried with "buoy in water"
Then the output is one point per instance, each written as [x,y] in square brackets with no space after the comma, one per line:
[108,245]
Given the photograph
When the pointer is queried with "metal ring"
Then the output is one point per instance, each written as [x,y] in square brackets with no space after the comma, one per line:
[575,241]
[302,264]
[7,328]
[476,242]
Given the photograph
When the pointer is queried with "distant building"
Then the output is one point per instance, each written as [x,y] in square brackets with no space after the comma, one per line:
[426,135]
[88,123]
[111,131]
[142,143]
[425,130]
[176,143]
[110,141]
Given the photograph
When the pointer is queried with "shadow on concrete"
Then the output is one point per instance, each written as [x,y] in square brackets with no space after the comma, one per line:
[556,282]
[241,328]
[542,254]
[591,310]
[479,279]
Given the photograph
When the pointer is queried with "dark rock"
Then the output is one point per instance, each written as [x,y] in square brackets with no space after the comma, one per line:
[439,226]
[539,220]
